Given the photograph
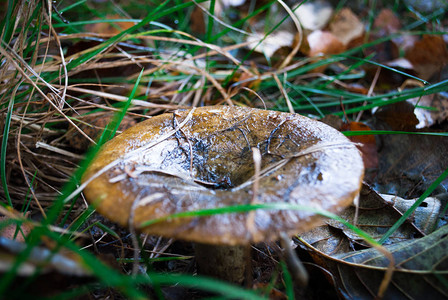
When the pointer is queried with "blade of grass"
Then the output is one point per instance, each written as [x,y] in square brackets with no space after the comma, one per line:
[289,284]
[367,61]
[107,134]
[4,147]
[6,23]
[267,206]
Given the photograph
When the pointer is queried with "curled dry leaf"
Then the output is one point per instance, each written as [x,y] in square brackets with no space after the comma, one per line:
[425,217]
[359,273]
[375,216]
[202,159]
[427,117]
[420,269]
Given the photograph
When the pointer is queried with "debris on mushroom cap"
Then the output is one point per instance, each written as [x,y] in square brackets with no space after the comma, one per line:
[198,159]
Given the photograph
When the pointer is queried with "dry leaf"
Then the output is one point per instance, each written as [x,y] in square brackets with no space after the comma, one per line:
[427,117]
[425,217]
[408,164]
[15,232]
[368,145]
[346,26]
[314,15]
[323,43]
[428,56]
[109,28]
[397,116]
[271,43]
[420,270]
[386,23]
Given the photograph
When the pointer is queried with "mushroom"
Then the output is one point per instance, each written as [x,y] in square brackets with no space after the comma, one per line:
[203,158]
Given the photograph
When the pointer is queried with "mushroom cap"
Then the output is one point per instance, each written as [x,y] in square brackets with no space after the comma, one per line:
[199,159]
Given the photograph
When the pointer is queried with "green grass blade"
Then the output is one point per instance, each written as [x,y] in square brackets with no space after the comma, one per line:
[242,208]
[289,284]
[107,134]
[4,148]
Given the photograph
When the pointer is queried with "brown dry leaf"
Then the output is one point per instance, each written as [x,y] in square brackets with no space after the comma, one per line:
[409,163]
[420,269]
[397,116]
[368,145]
[333,245]
[323,43]
[346,26]
[425,217]
[15,232]
[386,23]
[197,22]
[109,28]
[428,56]
[376,216]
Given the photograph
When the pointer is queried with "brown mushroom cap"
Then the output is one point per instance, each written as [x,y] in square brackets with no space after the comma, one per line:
[200,159]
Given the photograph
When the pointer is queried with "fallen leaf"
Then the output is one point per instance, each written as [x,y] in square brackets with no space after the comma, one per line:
[346,26]
[359,273]
[314,15]
[109,28]
[366,143]
[428,56]
[386,23]
[271,43]
[197,22]
[425,217]
[323,43]
[375,216]
[397,116]
[408,163]
[15,231]
[431,109]
[420,269]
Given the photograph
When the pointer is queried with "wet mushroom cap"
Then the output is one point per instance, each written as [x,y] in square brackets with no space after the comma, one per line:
[199,159]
